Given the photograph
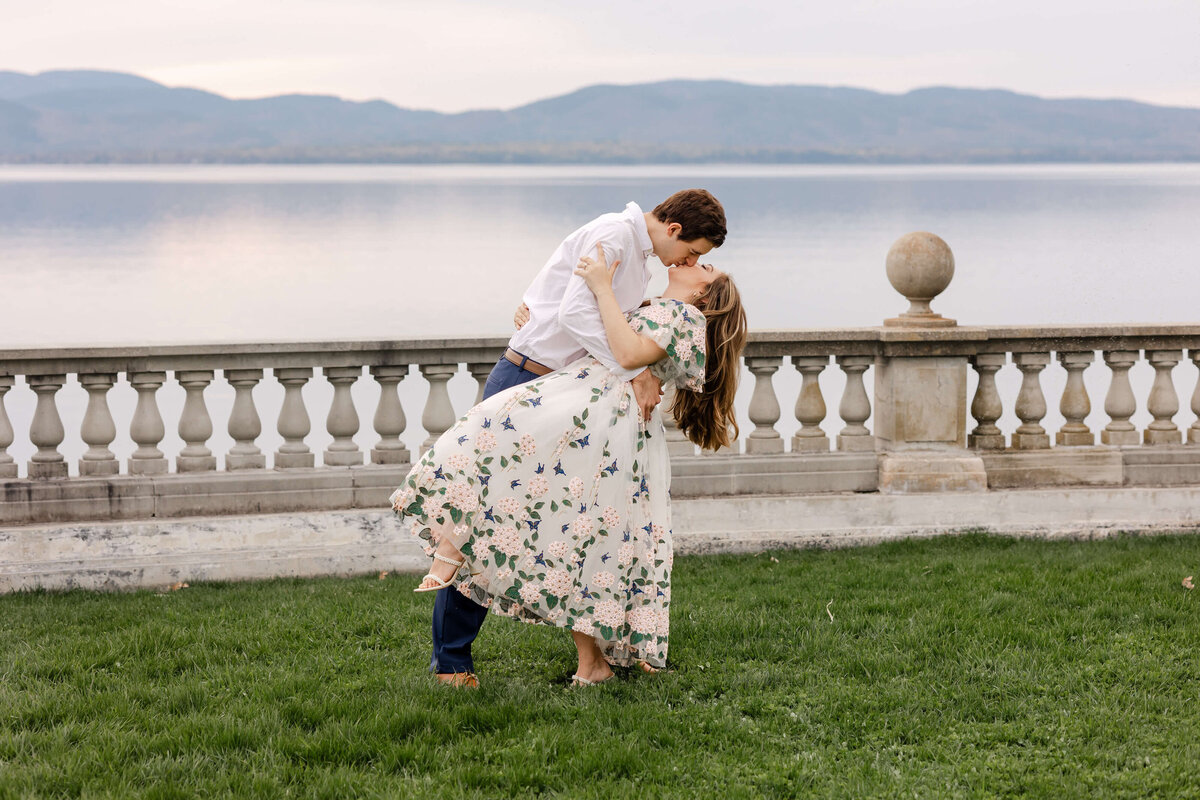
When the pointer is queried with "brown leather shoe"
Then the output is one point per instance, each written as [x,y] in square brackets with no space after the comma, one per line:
[459,680]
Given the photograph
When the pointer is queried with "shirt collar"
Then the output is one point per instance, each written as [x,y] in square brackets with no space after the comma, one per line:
[634,212]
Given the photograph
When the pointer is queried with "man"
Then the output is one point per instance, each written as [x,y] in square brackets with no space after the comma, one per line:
[563,325]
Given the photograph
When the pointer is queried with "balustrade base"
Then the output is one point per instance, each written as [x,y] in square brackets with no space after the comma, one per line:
[148,466]
[211,494]
[1075,439]
[47,469]
[110,467]
[721,474]
[8,470]
[810,444]
[1151,436]
[295,460]
[1120,438]
[765,446]
[235,461]
[1193,435]
[114,498]
[399,456]
[1014,469]
[1168,465]
[986,441]
[924,472]
[1031,441]
[195,463]
[342,458]
[855,443]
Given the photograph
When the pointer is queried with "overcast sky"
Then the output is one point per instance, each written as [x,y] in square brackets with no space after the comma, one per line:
[451,55]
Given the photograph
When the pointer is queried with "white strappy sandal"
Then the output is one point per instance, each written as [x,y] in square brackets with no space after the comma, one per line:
[577,680]
[440,584]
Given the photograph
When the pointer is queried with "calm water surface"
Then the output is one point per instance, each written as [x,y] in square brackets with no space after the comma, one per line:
[244,253]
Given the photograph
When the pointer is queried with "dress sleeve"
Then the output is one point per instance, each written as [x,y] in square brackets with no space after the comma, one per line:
[677,328]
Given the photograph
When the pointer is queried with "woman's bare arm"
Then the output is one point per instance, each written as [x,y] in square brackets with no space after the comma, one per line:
[629,348]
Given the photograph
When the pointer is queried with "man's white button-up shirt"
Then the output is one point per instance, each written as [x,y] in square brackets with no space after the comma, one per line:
[564,320]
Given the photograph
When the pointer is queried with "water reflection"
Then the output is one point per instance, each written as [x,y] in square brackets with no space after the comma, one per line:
[160,254]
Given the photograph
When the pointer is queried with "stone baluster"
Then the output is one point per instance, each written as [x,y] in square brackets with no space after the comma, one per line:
[438,415]
[342,422]
[147,428]
[1193,431]
[1163,403]
[855,407]
[480,373]
[46,432]
[677,443]
[764,406]
[245,426]
[1031,403]
[98,430]
[8,467]
[195,423]
[810,406]
[1119,403]
[389,417]
[293,423]
[986,406]
[1075,404]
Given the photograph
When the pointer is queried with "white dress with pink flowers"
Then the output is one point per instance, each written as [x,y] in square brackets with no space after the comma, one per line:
[558,496]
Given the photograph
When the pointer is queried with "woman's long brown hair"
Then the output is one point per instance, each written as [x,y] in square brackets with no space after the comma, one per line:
[707,417]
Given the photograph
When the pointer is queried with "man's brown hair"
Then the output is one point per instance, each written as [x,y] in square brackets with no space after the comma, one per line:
[698,213]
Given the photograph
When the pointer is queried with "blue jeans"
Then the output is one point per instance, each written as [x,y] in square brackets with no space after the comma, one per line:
[457,620]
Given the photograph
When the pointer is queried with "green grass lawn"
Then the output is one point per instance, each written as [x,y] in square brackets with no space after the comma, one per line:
[955,667]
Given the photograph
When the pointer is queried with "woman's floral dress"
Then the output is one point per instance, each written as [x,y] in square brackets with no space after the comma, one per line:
[557,494]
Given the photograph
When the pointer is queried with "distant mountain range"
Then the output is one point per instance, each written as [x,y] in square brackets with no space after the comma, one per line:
[93,116]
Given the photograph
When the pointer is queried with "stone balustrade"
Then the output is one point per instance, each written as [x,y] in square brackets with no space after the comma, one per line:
[824,454]
[908,378]
[908,421]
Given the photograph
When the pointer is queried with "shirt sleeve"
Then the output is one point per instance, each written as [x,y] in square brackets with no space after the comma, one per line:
[678,329]
[579,314]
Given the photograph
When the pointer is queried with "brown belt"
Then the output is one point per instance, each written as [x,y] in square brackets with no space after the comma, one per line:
[524,362]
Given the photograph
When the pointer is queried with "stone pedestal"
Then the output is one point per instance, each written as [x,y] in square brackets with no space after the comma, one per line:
[920,424]
[914,472]
[920,401]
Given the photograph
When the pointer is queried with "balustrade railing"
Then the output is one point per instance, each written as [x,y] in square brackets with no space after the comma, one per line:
[1075,349]
[813,354]
[243,368]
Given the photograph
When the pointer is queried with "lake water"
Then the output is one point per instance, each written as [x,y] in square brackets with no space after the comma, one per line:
[244,253]
[158,254]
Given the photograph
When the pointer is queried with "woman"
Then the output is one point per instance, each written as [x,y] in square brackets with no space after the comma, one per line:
[549,501]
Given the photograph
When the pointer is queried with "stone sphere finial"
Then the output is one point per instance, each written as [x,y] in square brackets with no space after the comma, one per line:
[920,266]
